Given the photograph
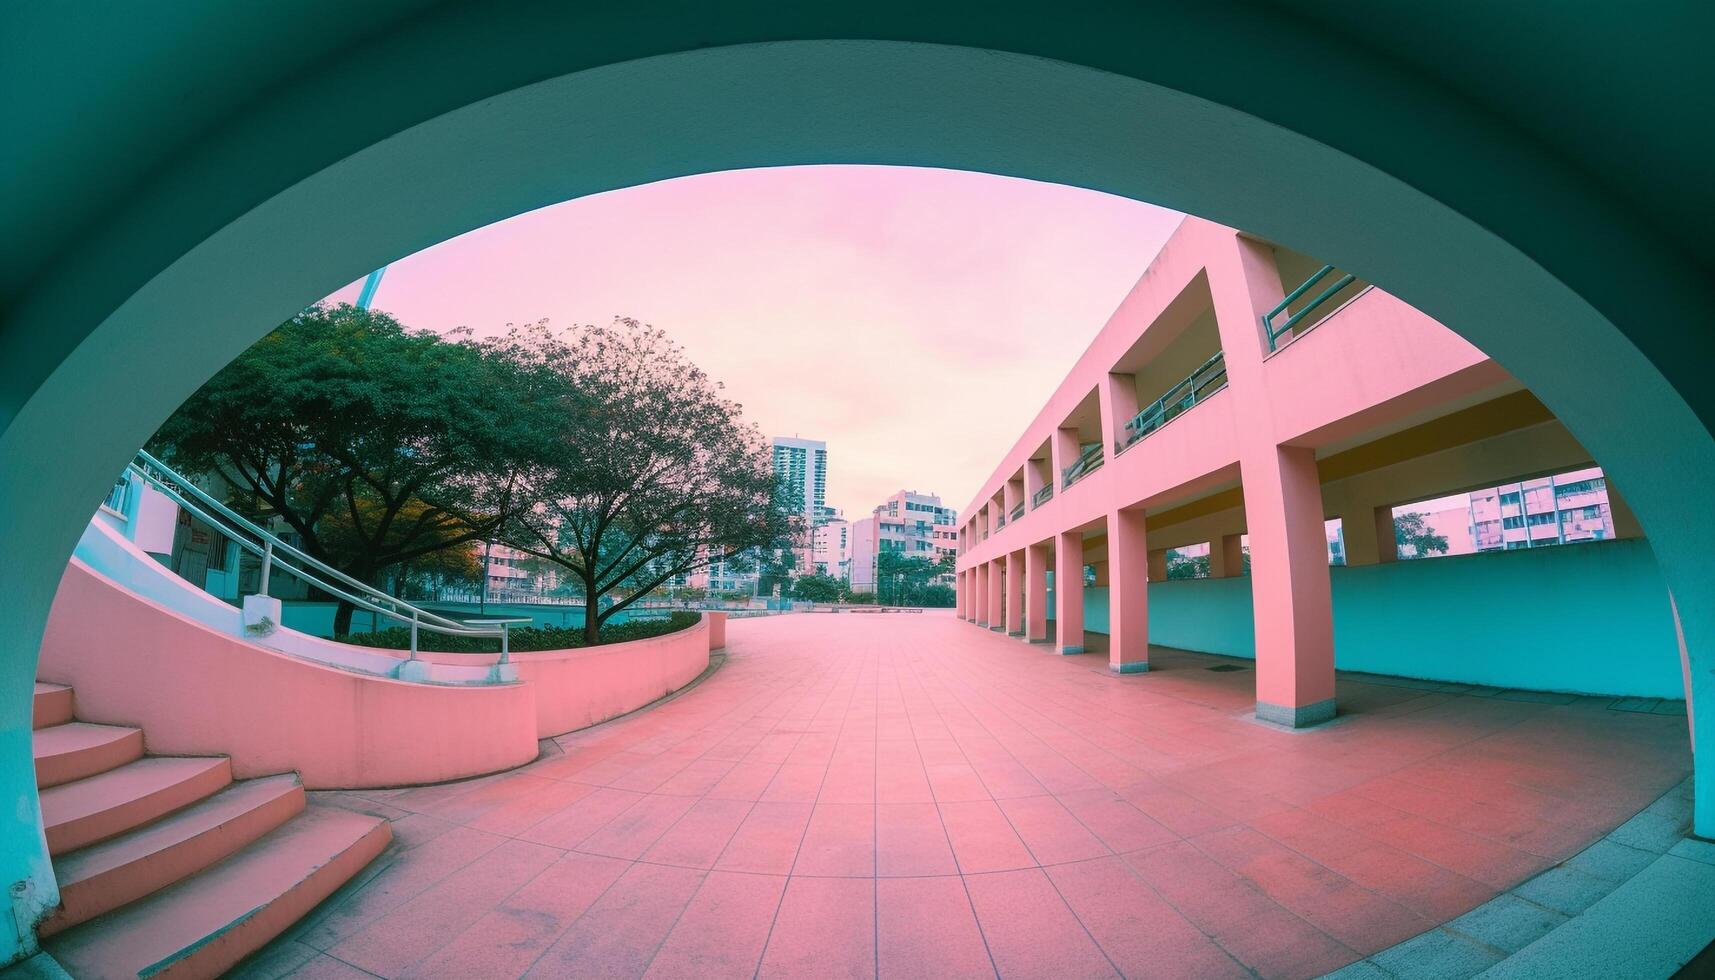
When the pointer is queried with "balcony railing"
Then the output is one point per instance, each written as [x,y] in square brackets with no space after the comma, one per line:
[1017,510]
[1042,496]
[1088,461]
[1275,332]
[1201,383]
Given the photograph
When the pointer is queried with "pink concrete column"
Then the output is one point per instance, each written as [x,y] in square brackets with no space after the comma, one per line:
[1387,540]
[1033,481]
[1036,591]
[1117,400]
[1015,593]
[1128,592]
[997,594]
[960,595]
[981,594]
[1368,535]
[1226,556]
[1158,565]
[1290,589]
[1069,592]
[1064,452]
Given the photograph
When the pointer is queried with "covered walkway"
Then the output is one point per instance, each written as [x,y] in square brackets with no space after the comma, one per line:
[904,795]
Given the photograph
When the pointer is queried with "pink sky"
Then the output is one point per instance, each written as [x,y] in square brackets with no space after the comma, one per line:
[915,320]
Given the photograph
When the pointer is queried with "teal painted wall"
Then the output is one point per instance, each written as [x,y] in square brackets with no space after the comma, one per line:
[1588,618]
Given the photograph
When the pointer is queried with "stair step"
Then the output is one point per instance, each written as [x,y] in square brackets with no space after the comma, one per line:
[203,925]
[102,877]
[81,813]
[76,750]
[52,705]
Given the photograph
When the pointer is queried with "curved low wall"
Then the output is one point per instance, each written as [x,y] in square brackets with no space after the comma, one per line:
[196,691]
[583,687]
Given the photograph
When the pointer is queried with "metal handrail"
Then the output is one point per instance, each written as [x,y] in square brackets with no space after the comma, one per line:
[1087,462]
[1041,496]
[275,551]
[1209,378]
[1268,327]
[1018,510]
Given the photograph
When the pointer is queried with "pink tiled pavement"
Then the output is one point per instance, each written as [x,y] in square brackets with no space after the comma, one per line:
[906,795]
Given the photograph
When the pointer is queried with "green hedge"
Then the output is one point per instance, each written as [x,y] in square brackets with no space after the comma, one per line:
[522,639]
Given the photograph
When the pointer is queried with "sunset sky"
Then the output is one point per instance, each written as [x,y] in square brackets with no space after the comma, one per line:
[916,320]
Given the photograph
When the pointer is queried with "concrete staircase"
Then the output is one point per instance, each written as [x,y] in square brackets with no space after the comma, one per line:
[166,866]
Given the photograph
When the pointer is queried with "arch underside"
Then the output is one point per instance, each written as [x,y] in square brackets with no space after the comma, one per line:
[203,257]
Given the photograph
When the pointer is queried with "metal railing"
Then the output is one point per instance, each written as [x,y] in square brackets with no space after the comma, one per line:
[276,552]
[1088,461]
[1200,384]
[116,498]
[1043,495]
[1018,510]
[1275,333]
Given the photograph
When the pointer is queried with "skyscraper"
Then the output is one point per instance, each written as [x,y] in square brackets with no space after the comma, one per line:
[802,465]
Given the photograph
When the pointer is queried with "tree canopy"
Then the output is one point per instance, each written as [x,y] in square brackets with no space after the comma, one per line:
[1412,530]
[657,474]
[913,580]
[376,444]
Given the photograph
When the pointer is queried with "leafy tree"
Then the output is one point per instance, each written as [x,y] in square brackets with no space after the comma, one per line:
[376,444]
[657,476]
[1183,566]
[904,580]
[1412,530]
[817,588]
[777,568]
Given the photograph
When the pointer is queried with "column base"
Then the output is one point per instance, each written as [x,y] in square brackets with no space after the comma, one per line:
[997,629]
[1014,632]
[1069,651]
[1300,717]
[1135,667]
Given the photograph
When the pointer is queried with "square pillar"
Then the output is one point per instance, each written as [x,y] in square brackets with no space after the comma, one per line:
[1128,593]
[1158,565]
[1069,592]
[996,594]
[1290,587]
[1117,402]
[962,582]
[1227,556]
[1015,593]
[1368,534]
[1036,592]
[1064,451]
[980,595]
[1033,481]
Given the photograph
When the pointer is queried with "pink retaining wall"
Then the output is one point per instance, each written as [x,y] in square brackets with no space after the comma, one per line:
[579,688]
[195,691]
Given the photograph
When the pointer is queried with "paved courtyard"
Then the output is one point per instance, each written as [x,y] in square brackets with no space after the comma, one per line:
[905,795]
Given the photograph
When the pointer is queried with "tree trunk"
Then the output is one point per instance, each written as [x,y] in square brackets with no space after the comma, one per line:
[342,618]
[592,617]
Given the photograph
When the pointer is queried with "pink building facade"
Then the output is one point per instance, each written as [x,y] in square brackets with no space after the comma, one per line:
[1250,403]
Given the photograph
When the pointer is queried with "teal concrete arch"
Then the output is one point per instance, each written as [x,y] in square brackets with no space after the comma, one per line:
[233,164]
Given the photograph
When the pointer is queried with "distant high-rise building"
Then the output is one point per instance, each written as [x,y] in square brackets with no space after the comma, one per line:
[802,466]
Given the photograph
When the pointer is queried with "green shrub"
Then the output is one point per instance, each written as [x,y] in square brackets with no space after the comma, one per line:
[522,638]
